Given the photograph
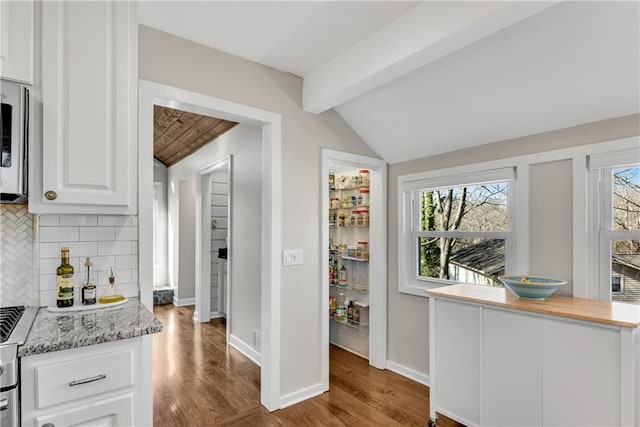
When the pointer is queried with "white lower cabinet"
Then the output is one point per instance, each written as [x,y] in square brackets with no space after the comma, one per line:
[113,412]
[512,362]
[581,375]
[504,367]
[99,385]
[458,354]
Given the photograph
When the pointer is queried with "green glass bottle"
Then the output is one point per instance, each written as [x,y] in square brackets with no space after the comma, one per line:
[64,280]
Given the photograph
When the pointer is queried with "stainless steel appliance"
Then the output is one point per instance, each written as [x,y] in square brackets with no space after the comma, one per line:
[15,323]
[15,141]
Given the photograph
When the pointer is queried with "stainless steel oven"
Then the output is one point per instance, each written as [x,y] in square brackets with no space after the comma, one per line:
[15,142]
[15,323]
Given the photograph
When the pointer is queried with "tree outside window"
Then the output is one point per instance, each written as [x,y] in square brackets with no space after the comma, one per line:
[461,232]
[625,219]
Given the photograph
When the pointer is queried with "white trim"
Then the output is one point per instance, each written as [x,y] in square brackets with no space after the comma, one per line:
[245,349]
[216,315]
[377,250]
[203,246]
[412,374]
[300,395]
[151,93]
[580,227]
[619,159]
[183,301]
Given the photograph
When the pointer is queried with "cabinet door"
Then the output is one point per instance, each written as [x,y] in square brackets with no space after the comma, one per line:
[512,369]
[16,40]
[89,81]
[581,374]
[457,352]
[117,411]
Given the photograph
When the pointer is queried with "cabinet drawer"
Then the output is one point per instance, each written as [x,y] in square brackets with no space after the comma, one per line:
[113,412]
[83,377]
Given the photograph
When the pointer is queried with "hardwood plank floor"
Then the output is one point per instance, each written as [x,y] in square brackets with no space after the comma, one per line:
[200,381]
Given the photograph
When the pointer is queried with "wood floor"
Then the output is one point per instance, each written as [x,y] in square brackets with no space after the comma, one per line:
[200,381]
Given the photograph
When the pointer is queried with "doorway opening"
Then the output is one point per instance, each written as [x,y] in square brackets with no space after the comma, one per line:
[353,257]
[269,125]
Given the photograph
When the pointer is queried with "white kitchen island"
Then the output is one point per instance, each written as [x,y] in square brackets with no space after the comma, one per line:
[499,360]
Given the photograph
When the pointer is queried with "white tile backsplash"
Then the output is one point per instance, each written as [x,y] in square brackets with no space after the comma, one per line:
[58,234]
[120,221]
[110,241]
[126,233]
[122,247]
[18,262]
[99,234]
[86,220]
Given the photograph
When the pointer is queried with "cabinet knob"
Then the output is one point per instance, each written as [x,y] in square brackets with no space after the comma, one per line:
[51,195]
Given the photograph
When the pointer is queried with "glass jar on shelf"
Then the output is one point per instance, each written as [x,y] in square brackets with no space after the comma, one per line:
[364,177]
[363,197]
[364,213]
[362,250]
[335,203]
[353,218]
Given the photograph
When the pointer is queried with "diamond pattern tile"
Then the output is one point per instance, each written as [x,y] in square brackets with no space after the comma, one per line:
[17,269]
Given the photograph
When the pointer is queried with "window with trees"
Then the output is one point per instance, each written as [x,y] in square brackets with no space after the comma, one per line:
[458,229]
[618,236]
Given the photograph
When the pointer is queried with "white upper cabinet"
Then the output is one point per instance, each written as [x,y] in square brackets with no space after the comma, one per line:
[16,40]
[89,100]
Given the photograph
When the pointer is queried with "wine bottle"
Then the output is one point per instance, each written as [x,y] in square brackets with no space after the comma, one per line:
[342,275]
[64,280]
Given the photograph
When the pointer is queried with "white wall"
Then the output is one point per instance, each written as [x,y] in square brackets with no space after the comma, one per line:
[243,143]
[550,221]
[176,62]
[184,204]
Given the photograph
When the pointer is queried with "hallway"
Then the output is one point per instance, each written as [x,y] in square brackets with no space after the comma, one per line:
[200,381]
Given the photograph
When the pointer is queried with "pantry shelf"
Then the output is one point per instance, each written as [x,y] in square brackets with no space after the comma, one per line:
[351,287]
[351,323]
[351,258]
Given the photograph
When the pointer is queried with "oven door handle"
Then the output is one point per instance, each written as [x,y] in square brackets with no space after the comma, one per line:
[87,380]
[4,404]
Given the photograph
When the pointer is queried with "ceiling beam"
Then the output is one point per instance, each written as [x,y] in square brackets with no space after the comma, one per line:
[422,35]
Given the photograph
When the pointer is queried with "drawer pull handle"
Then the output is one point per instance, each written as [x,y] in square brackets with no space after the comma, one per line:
[4,404]
[87,380]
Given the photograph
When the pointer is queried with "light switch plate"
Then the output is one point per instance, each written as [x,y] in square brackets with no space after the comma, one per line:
[292,257]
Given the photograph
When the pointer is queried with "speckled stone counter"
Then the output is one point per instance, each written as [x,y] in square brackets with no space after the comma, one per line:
[61,331]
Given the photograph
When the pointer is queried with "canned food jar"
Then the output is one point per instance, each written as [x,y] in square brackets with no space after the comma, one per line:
[351,251]
[353,219]
[364,177]
[363,247]
[335,202]
[363,197]
[365,217]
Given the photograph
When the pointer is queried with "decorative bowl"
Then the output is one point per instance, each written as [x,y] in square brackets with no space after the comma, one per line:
[532,287]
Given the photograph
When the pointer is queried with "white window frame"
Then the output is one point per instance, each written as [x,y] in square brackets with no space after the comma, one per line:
[601,167]
[409,187]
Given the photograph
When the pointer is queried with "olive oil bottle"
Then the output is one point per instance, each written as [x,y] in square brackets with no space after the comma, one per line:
[64,280]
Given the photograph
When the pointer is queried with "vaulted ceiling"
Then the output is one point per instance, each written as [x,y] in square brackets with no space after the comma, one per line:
[178,134]
[415,79]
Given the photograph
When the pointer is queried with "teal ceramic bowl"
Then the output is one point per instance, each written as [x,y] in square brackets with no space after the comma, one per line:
[532,287]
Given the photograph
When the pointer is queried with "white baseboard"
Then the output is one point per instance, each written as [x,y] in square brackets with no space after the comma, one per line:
[244,348]
[412,374]
[216,314]
[299,396]
[184,301]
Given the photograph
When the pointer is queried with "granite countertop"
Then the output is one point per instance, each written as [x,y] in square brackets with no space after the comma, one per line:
[61,331]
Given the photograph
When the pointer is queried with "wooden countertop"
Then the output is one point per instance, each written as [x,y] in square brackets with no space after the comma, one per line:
[613,313]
